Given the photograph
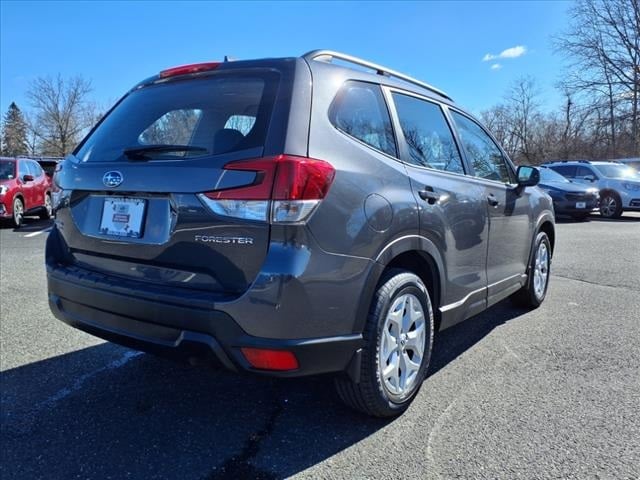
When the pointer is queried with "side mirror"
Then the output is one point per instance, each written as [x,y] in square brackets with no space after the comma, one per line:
[528,176]
[27,178]
[589,178]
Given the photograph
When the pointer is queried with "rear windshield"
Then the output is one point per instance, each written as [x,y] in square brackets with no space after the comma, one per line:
[7,170]
[216,114]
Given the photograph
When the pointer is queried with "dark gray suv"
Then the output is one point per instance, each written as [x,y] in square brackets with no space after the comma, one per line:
[294,216]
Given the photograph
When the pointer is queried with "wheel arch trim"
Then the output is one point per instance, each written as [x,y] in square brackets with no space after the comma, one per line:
[546,217]
[21,197]
[400,245]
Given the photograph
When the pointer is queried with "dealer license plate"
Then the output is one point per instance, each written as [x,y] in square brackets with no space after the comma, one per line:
[123,217]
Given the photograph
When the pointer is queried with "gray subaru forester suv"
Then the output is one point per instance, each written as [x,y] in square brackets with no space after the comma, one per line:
[292,217]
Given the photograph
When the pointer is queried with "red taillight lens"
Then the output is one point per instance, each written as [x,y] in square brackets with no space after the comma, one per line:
[264,359]
[186,69]
[295,185]
[300,178]
[284,177]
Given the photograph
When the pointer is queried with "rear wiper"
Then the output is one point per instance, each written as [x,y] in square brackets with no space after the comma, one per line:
[139,153]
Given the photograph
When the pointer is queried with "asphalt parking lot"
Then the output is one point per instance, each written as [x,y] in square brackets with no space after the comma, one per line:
[553,393]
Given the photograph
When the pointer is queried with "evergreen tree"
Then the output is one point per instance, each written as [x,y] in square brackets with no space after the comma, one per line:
[14,132]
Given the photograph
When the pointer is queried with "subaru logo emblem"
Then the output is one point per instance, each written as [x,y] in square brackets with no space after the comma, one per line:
[112,179]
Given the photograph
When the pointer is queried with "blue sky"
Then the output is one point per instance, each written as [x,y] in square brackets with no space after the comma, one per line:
[116,44]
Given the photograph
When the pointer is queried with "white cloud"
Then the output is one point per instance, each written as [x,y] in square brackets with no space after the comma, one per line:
[496,66]
[513,52]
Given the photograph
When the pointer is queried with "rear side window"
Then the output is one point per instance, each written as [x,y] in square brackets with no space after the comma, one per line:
[359,111]
[427,134]
[220,113]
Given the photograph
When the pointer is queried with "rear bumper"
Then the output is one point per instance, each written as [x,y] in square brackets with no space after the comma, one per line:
[179,330]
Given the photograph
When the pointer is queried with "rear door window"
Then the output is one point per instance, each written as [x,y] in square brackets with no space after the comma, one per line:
[582,172]
[568,171]
[205,116]
[427,134]
[359,110]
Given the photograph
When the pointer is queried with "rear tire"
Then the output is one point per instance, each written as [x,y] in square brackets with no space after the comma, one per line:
[48,208]
[398,336]
[610,205]
[18,213]
[535,290]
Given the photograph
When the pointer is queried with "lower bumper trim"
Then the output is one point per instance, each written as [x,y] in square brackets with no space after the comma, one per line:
[218,341]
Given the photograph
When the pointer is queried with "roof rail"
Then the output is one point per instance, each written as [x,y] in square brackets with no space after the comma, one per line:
[566,161]
[329,55]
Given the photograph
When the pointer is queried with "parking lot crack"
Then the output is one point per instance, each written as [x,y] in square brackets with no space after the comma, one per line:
[239,466]
[582,280]
[437,426]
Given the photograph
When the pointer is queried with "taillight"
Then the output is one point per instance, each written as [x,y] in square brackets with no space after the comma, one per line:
[286,189]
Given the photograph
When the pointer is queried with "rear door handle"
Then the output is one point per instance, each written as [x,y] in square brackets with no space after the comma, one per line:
[429,195]
[493,201]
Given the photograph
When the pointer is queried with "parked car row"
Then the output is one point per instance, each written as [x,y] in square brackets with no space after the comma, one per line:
[568,198]
[575,190]
[25,189]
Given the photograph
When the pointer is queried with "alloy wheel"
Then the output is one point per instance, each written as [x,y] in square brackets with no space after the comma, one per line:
[609,206]
[541,270]
[402,346]
[18,212]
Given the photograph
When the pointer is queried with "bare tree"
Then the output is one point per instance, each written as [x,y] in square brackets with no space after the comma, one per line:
[32,139]
[62,112]
[522,102]
[602,46]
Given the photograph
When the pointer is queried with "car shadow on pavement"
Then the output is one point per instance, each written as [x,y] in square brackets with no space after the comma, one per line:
[31,224]
[597,218]
[624,218]
[108,412]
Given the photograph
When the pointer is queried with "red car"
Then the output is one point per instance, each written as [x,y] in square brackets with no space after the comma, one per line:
[24,190]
